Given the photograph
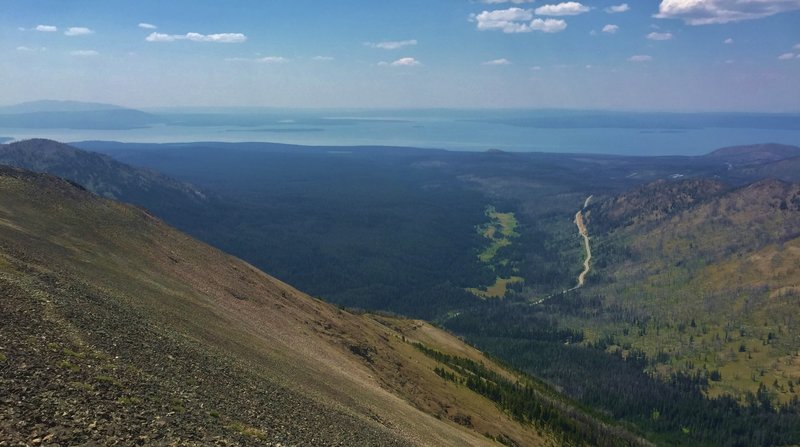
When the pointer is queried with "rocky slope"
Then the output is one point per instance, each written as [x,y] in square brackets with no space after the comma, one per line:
[119,330]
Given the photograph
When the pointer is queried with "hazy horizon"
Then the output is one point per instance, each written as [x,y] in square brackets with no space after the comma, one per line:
[269,108]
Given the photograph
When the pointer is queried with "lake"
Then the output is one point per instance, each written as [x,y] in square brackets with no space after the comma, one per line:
[467,130]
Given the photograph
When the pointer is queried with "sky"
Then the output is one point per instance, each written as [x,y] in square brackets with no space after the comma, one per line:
[677,55]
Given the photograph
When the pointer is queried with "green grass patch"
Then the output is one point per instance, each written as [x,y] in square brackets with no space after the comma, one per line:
[500,232]
[129,401]
[65,364]
[82,386]
[106,379]
[77,355]
[248,430]
[177,406]
[500,229]
[498,289]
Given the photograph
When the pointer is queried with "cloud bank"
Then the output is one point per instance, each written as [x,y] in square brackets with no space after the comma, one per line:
[616,9]
[562,9]
[710,12]
[78,31]
[84,53]
[197,37]
[610,29]
[402,62]
[516,20]
[659,36]
[497,2]
[392,45]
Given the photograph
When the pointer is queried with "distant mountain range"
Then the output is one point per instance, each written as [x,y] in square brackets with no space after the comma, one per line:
[73,115]
[54,106]
[739,156]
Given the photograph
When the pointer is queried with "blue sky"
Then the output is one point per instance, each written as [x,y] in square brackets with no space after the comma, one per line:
[644,55]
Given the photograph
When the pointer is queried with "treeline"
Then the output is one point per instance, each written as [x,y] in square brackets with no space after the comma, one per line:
[532,403]
[496,318]
[672,412]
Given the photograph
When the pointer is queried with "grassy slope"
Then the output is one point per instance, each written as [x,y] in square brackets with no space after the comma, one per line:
[138,330]
[715,287]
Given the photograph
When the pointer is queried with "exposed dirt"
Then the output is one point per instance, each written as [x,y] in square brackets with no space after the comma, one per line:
[587,263]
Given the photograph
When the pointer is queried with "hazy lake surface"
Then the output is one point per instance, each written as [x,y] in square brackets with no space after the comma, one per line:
[546,131]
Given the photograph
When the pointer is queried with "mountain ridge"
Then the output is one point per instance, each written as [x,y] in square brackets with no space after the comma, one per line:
[52,105]
[50,114]
[756,153]
[724,259]
[138,325]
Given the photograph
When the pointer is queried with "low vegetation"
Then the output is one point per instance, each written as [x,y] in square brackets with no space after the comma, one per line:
[500,233]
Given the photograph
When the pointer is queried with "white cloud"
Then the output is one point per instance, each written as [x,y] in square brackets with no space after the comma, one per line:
[46,28]
[511,20]
[78,31]
[549,25]
[161,37]
[707,12]
[610,29]
[562,9]
[536,68]
[406,62]
[147,25]
[501,61]
[392,45]
[516,20]
[497,2]
[271,60]
[797,47]
[402,62]
[197,37]
[640,58]
[659,36]
[786,56]
[728,41]
[84,53]
[30,49]
[322,58]
[262,60]
[618,8]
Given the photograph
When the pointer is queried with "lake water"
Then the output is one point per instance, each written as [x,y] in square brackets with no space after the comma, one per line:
[454,130]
